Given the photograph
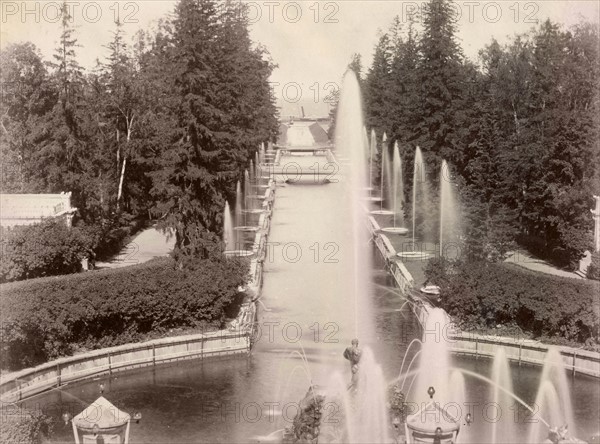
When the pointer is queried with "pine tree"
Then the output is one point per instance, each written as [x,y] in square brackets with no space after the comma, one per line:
[404,89]
[26,99]
[221,106]
[377,86]
[66,125]
[441,81]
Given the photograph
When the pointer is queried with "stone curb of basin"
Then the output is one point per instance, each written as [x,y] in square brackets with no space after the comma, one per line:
[520,350]
[234,340]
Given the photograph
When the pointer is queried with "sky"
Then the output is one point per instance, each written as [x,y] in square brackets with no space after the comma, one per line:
[310,41]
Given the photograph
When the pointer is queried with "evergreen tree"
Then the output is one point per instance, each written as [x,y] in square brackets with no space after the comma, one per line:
[441,81]
[377,87]
[26,99]
[404,90]
[223,109]
[67,125]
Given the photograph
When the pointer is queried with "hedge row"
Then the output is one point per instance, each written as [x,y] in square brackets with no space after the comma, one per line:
[46,249]
[593,271]
[486,295]
[46,318]
[20,426]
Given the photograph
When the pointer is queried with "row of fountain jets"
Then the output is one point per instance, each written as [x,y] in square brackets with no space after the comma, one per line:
[430,366]
[248,201]
[392,200]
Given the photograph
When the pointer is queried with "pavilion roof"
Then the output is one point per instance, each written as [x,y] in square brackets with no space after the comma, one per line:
[102,413]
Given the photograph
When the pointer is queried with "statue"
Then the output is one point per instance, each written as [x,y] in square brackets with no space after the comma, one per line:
[353,386]
[557,434]
[353,353]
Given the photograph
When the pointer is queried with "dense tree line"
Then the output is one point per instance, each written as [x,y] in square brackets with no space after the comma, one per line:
[519,127]
[160,129]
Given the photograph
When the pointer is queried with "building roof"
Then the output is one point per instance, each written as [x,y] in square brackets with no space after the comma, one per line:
[101,413]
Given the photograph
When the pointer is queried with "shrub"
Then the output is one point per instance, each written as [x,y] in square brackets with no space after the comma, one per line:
[484,295]
[45,249]
[24,426]
[46,318]
[593,271]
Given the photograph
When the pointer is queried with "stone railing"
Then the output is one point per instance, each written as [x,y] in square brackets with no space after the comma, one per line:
[401,275]
[524,351]
[23,384]
[234,340]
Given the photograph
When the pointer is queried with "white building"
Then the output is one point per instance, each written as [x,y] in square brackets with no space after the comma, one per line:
[28,209]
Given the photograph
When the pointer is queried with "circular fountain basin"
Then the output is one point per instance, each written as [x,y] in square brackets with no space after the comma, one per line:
[249,229]
[414,255]
[239,253]
[401,231]
[382,212]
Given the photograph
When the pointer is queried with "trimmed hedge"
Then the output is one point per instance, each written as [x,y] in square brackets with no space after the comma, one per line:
[20,426]
[593,271]
[46,249]
[47,318]
[486,295]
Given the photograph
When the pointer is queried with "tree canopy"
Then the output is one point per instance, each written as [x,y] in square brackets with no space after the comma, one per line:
[162,128]
[519,127]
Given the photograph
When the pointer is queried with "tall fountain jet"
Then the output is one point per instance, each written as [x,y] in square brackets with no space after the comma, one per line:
[239,216]
[434,361]
[369,412]
[372,155]
[257,169]
[395,194]
[553,398]
[448,208]
[385,179]
[385,183]
[503,428]
[398,187]
[350,143]
[367,149]
[419,192]
[228,232]
[248,202]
